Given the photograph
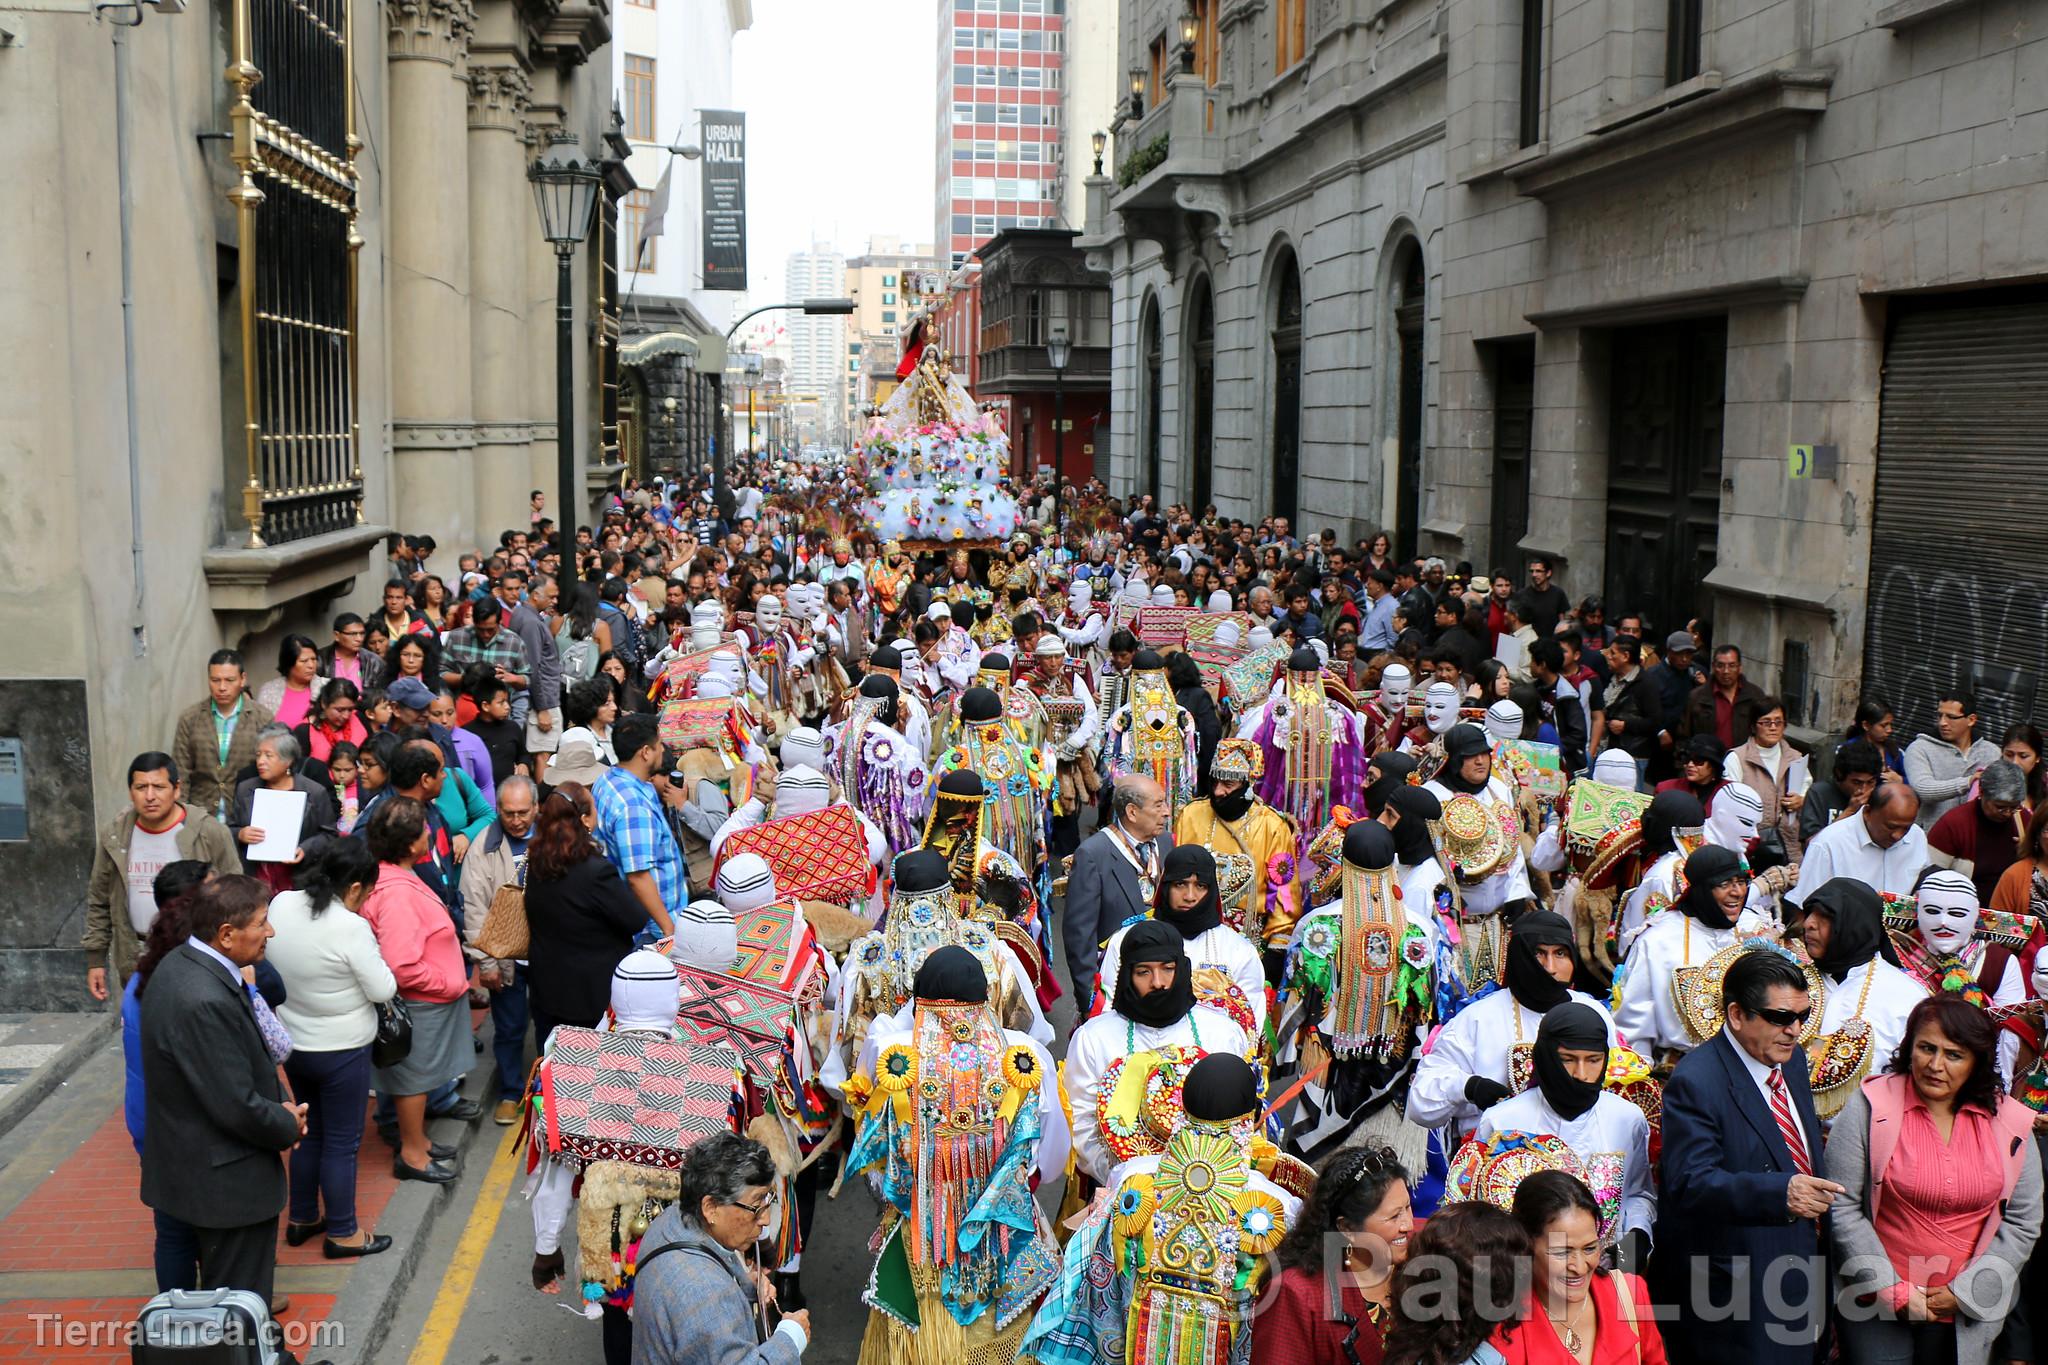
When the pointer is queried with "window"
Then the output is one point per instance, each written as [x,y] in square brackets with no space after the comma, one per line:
[1052,78]
[1290,31]
[1034,40]
[1682,40]
[984,149]
[1156,91]
[1007,78]
[963,113]
[639,255]
[888,297]
[1008,39]
[963,37]
[961,225]
[963,74]
[1028,152]
[888,315]
[1529,114]
[639,110]
[985,39]
[1030,78]
[1007,114]
[888,281]
[984,75]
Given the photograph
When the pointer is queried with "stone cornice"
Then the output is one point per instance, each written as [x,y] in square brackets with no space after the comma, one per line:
[429,30]
[498,97]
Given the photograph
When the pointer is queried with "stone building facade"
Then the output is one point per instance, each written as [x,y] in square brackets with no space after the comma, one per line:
[1730,307]
[397,311]
[1273,229]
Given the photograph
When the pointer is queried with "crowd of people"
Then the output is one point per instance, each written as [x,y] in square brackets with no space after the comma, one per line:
[1459,972]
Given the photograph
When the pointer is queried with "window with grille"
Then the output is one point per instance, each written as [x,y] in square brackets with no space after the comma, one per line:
[295,198]
[639,108]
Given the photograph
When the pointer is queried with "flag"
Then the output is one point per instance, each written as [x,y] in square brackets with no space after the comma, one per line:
[651,225]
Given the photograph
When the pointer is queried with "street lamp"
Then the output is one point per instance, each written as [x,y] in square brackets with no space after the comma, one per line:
[1190,30]
[565,187]
[1058,351]
[810,308]
[1137,93]
[1100,140]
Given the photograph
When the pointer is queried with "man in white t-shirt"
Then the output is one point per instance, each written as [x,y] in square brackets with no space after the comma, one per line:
[158,828]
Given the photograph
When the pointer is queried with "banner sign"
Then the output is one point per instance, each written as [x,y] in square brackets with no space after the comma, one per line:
[725,199]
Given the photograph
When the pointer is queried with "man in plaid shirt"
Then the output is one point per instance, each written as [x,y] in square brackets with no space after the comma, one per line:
[632,826]
[486,641]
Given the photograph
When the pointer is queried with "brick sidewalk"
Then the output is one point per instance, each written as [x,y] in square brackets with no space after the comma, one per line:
[80,1246]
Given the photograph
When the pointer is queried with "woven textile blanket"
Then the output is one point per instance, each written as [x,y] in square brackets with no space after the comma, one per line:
[637,1097]
[818,856]
[754,1020]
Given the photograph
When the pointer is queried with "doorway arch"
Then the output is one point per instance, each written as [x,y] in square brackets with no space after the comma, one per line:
[1284,315]
[1199,450]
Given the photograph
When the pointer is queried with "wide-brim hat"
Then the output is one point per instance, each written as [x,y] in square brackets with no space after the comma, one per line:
[1475,842]
[577,761]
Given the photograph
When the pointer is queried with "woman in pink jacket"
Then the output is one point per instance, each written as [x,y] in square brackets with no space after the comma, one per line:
[418,941]
[1942,1196]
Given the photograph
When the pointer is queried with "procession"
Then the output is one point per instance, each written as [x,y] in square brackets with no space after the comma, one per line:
[1461,999]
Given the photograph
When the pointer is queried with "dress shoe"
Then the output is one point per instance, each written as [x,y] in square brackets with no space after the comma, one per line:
[338,1251]
[465,1109]
[506,1114]
[298,1234]
[434,1172]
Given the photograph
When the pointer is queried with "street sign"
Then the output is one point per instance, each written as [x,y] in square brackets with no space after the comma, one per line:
[1812,461]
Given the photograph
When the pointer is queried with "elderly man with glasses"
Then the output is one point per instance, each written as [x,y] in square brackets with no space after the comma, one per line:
[496,860]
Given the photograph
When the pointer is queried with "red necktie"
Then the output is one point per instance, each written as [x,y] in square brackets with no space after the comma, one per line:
[1788,1126]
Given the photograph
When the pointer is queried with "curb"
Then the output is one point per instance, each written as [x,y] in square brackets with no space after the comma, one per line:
[92,1036]
[370,1301]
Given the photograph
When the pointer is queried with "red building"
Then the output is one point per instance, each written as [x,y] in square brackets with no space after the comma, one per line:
[1000,115]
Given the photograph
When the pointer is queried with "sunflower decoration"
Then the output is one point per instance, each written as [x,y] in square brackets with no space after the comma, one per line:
[857,1089]
[1130,1217]
[1261,1222]
[1021,1069]
[895,1069]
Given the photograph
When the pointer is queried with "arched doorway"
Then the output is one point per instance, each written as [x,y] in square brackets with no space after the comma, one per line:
[1199,450]
[1285,499]
[1152,391]
[1411,285]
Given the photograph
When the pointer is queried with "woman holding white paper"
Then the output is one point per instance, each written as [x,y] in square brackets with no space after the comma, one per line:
[280,818]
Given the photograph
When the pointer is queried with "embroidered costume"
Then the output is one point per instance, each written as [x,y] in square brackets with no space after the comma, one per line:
[1255,845]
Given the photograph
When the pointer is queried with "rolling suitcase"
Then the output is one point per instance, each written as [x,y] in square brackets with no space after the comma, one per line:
[205,1327]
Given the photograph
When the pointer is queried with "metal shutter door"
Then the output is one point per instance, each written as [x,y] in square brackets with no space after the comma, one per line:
[1959,534]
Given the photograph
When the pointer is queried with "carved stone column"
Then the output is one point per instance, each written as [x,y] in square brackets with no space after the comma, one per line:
[433,435]
[502,226]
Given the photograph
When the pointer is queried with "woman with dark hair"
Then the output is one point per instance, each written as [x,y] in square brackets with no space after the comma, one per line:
[289,696]
[430,598]
[1577,1313]
[414,656]
[1942,1195]
[2023,887]
[631,698]
[1491,682]
[1773,769]
[1363,1200]
[1184,676]
[1466,1277]
[417,938]
[1873,723]
[2021,746]
[1701,761]
[580,637]
[335,979]
[580,914]
[333,721]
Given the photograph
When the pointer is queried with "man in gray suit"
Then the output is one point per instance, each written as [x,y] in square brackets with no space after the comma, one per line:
[215,1117]
[1114,877]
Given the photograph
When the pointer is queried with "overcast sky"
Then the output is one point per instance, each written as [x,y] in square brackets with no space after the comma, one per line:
[839,98]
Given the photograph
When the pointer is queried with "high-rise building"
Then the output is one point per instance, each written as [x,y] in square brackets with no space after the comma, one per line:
[1000,149]
[887,284]
[818,365]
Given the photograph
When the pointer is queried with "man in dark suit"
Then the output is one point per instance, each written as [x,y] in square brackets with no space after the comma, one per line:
[216,1120]
[1741,1212]
[1114,877]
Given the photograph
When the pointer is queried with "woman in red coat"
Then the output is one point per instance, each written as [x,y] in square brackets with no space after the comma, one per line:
[1362,1196]
[1577,1313]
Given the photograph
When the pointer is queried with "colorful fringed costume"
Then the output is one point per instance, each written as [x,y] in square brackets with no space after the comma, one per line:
[1314,751]
[1255,851]
[956,1118]
[1153,734]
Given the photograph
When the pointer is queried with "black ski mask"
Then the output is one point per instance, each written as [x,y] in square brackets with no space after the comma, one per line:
[951,976]
[1182,862]
[1580,1028]
[1417,807]
[1532,987]
[1153,941]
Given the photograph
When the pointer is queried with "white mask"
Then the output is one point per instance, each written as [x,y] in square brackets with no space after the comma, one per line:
[1737,815]
[1162,596]
[1503,721]
[1396,682]
[768,614]
[1616,769]
[1440,708]
[1079,597]
[1228,634]
[1258,637]
[1219,602]
[1948,912]
[707,624]
[726,665]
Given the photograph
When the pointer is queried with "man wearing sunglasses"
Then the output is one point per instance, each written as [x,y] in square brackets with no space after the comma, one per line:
[1741,1204]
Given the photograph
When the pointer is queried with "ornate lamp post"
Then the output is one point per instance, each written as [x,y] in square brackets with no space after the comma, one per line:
[565,187]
